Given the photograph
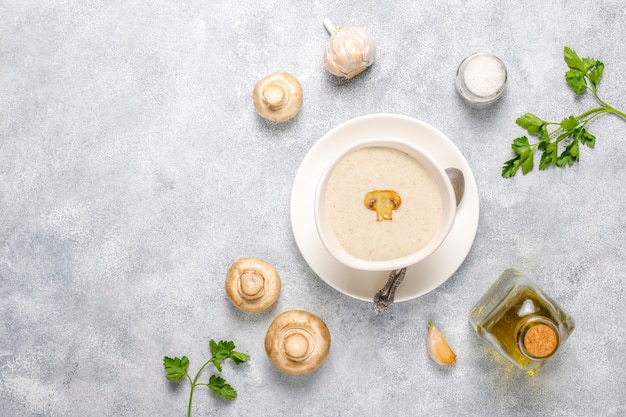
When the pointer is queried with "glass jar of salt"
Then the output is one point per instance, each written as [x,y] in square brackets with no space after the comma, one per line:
[481,78]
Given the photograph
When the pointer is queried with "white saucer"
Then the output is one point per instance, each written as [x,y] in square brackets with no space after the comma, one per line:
[420,278]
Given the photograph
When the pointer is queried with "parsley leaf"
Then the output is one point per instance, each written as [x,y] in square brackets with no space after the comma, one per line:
[239,357]
[569,124]
[582,74]
[549,155]
[533,124]
[176,369]
[569,155]
[225,350]
[595,75]
[572,59]
[219,386]
[585,137]
[576,79]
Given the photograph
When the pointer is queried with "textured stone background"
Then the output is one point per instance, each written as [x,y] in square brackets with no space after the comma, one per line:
[134,170]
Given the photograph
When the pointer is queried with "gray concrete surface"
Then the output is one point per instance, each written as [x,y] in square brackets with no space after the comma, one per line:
[134,170]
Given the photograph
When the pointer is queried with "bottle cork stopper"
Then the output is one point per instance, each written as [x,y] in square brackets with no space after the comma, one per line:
[540,340]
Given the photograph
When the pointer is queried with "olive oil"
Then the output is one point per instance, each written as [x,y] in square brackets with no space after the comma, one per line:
[520,322]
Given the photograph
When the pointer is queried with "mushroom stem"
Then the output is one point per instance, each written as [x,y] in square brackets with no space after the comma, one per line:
[251,285]
[297,344]
[329,26]
[274,96]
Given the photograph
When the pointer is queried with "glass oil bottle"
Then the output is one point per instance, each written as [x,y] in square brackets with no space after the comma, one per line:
[520,322]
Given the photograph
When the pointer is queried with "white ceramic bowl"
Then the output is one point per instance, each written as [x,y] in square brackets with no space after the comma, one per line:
[325,230]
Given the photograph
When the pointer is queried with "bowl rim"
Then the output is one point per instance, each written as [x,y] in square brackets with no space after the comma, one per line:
[327,235]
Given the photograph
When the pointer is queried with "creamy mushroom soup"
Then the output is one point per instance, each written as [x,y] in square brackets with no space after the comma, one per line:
[357,227]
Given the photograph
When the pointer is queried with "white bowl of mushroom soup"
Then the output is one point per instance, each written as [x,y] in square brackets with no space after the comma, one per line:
[383,204]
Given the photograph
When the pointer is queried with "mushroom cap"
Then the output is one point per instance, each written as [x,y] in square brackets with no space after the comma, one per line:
[278,97]
[297,342]
[252,284]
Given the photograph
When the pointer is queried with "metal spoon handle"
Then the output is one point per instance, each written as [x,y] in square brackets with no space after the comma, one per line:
[384,297]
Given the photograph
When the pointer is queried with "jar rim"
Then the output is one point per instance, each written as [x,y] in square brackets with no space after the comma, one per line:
[474,96]
[540,343]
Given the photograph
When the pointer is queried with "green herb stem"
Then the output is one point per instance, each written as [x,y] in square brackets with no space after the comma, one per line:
[177,368]
[595,94]
[583,74]
[585,118]
[589,116]
[616,112]
[194,384]
[190,400]
[591,111]
[593,116]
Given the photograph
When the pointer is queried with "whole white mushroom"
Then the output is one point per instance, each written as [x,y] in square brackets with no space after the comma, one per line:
[278,96]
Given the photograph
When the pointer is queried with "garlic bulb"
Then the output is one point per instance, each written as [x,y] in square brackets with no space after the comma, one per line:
[349,51]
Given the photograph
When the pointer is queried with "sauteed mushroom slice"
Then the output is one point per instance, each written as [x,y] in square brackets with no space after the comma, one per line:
[278,97]
[297,342]
[383,202]
[252,284]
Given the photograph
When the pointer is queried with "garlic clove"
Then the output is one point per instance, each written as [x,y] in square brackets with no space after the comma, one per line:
[438,347]
[349,51]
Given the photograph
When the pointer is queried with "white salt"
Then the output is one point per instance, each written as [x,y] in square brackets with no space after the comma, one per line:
[484,75]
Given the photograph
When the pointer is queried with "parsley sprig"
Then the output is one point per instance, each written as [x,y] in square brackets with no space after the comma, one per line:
[559,142]
[177,369]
